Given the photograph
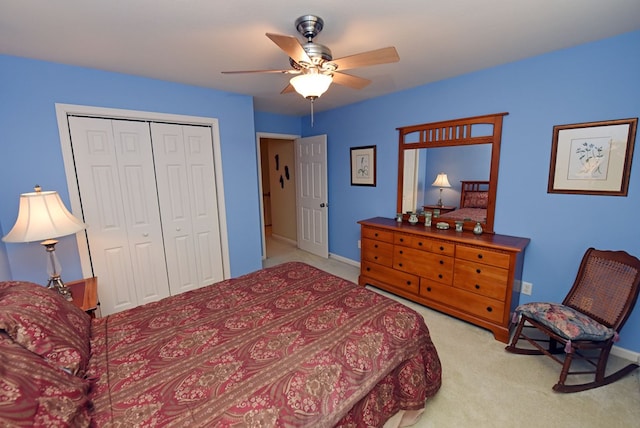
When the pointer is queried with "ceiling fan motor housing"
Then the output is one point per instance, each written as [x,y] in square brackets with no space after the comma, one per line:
[309,26]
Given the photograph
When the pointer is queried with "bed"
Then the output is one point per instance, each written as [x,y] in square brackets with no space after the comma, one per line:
[289,345]
[474,197]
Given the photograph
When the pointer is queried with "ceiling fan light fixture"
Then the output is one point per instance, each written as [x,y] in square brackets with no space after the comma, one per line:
[311,85]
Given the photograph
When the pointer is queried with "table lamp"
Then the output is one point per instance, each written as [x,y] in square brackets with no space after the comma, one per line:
[441,181]
[43,216]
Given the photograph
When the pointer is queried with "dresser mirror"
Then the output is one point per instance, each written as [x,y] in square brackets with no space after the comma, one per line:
[468,151]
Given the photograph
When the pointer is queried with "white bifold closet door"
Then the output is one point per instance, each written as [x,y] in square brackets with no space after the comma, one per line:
[149,199]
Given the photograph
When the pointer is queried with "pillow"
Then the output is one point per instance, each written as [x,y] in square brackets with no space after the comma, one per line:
[566,322]
[45,323]
[476,200]
[33,393]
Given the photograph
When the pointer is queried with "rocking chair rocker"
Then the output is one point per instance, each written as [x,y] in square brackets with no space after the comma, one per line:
[587,323]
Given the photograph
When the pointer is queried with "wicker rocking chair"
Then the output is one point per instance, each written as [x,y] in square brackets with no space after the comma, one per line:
[586,325]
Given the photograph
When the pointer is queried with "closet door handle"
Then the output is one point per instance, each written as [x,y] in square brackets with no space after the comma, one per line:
[145,234]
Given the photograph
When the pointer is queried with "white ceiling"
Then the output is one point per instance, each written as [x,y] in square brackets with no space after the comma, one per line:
[192,41]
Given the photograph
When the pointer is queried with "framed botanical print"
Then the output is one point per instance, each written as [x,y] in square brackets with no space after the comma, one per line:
[363,166]
[592,158]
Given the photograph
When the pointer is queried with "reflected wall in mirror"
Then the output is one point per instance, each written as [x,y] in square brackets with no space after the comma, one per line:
[467,151]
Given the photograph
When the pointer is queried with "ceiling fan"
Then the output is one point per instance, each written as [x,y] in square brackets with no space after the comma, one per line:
[313,64]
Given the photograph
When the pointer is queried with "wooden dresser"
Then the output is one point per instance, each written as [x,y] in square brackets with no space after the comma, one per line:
[472,277]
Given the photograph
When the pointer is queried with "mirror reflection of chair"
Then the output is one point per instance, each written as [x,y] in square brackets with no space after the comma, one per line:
[587,323]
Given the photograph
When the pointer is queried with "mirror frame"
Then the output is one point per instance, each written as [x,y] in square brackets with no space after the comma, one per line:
[456,132]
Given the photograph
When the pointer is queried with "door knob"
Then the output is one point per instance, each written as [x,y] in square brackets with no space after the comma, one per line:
[322,205]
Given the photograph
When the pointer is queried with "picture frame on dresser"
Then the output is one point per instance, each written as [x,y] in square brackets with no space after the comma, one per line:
[363,166]
[592,158]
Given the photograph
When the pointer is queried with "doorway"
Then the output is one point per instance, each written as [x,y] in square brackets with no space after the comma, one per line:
[277,187]
[292,175]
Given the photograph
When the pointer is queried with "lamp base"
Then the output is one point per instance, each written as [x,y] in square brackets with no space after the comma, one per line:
[53,267]
[55,283]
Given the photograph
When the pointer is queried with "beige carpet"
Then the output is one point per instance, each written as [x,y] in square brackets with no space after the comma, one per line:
[484,386]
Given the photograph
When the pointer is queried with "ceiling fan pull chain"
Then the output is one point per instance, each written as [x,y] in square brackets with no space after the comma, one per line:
[312,112]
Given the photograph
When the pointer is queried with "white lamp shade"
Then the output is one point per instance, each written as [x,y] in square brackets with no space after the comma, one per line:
[41,216]
[441,181]
[311,85]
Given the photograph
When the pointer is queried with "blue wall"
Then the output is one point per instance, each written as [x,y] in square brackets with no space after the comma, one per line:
[31,153]
[592,82]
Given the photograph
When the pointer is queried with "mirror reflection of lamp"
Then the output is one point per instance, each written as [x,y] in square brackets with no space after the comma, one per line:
[42,217]
[441,181]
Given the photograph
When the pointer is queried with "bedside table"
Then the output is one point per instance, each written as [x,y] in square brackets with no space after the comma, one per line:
[443,209]
[85,294]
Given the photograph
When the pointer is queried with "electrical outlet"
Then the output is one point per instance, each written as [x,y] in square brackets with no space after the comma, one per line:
[527,288]
[359,243]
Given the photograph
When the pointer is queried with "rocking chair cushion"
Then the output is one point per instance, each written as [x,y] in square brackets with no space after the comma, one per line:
[566,322]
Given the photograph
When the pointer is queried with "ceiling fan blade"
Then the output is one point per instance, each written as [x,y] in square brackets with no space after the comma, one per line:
[288,89]
[291,46]
[262,71]
[364,59]
[354,82]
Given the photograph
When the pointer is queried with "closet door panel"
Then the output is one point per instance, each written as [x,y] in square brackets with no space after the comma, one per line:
[117,187]
[99,185]
[188,203]
[175,207]
[133,148]
[204,203]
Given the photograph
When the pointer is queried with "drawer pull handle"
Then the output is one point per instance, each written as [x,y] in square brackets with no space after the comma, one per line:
[478,271]
[441,262]
[419,244]
[429,289]
[375,246]
[489,309]
[477,287]
[368,269]
[401,252]
[375,257]
[401,239]
[479,256]
[408,282]
[400,264]
[376,235]
[441,248]
[440,276]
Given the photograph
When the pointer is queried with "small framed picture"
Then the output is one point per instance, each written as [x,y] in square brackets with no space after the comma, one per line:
[363,166]
[592,158]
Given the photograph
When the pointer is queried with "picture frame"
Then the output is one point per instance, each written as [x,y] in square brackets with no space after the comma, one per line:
[363,166]
[592,158]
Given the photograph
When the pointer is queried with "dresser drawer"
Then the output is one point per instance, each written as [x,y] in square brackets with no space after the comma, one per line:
[423,263]
[421,243]
[482,255]
[401,280]
[482,279]
[377,251]
[377,234]
[465,301]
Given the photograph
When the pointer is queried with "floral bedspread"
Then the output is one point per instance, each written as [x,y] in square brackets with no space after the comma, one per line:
[285,346]
[467,214]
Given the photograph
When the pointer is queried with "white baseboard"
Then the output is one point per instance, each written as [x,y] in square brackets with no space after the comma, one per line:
[344,260]
[284,239]
[626,354]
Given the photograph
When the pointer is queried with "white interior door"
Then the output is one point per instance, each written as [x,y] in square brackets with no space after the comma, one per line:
[118,192]
[183,157]
[312,198]
[410,180]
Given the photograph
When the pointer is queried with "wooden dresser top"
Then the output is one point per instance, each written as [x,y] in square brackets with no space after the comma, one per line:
[491,240]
